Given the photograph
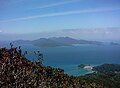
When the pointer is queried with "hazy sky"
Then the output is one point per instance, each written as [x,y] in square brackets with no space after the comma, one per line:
[91,18]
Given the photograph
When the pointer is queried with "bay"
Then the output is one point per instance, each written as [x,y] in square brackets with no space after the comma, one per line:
[69,57]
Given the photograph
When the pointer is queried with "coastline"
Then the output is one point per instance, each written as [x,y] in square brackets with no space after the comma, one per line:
[72,69]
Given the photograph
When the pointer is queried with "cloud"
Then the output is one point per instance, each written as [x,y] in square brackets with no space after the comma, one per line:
[94,34]
[56,4]
[0,31]
[64,13]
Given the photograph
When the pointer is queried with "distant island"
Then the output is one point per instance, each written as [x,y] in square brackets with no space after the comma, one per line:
[56,41]
[114,44]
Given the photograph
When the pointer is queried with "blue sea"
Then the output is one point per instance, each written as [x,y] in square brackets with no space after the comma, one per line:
[69,57]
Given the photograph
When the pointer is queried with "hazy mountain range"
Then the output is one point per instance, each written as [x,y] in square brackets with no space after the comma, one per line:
[56,41]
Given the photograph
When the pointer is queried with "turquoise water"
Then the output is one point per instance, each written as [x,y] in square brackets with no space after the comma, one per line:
[69,57]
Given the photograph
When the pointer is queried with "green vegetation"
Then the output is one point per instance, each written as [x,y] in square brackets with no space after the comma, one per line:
[106,74]
[107,68]
[107,80]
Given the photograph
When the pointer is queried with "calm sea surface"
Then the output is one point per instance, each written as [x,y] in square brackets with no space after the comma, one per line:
[69,57]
